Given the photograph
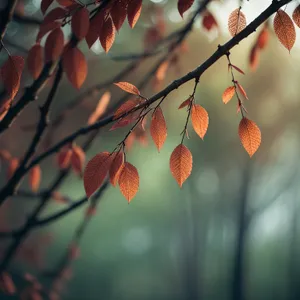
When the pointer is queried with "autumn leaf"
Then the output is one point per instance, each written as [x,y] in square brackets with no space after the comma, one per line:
[284,29]
[185,103]
[95,172]
[128,87]
[94,29]
[118,13]
[296,15]
[129,181]
[162,71]
[64,158]
[228,94]
[100,109]
[263,38]
[57,13]
[35,61]
[66,3]
[80,23]
[242,90]
[236,22]
[35,175]
[75,66]
[123,122]
[77,159]
[12,167]
[134,10]
[158,128]
[209,21]
[250,136]
[59,198]
[181,163]
[184,5]
[237,69]
[107,34]
[54,45]
[200,120]
[45,5]
[126,107]
[6,283]
[116,167]
[254,58]
[45,28]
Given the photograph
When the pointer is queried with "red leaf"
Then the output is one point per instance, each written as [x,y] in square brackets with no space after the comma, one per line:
[66,3]
[80,23]
[158,128]
[35,61]
[107,34]
[45,28]
[228,94]
[35,174]
[209,21]
[13,165]
[95,172]
[118,13]
[129,181]
[54,45]
[100,109]
[200,120]
[77,159]
[75,66]
[181,164]
[184,5]
[296,15]
[238,69]
[250,136]
[116,167]
[45,4]
[57,13]
[185,103]
[128,87]
[94,29]
[134,11]
[64,158]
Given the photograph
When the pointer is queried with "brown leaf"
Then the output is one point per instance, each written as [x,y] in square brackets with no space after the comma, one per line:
[228,94]
[250,136]
[129,181]
[296,15]
[184,5]
[95,172]
[94,29]
[128,87]
[35,175]
[45,28]
[75,66]
[236,22]
[238,69]
[54,45]
[64,158]
[57,13]
[134,10]
[200,120]
[285,29]
[100,109]
[185,103]
[107,34]
[35,61]
[116,167]
[181,163]
[77,159]
[45,4]
[118,13]
[80,23]
[158,128]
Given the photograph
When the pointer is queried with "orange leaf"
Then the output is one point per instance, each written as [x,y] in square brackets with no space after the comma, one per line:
[100,109]
[64,158]
[58,197]
[54,45]
[185,103]
[228,94]
[250,136]
[285,29]
[35,174]
[263,38]
[296,16]
[35,61]
[129,181]
[118,13]
[95,172]
[236,22]
[107,34]
[45,28]
[57,13]
[134,10]
[116,167]
[241,89]
[123,122]
[158,128]
[128,87]
[77,159]
[12,167]
[94,29]
[80,23]
[254,58]
[162,71]
[238,69]
[184,5]
[181,164]
[5,155]
[126,107]
[45,4]
[200,120]
[75,66]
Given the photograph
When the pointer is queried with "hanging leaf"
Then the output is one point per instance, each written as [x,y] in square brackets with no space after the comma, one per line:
[242,91]
[54,45]
[185,103]
[181,163]
[12,167]
[209,21]
[254,58]
[35,61]
[250,136]
[45,5]
[35,175]
[158,128]
[75,66]
[296,15]
[94,29]
[228,94]
[45,28]
[237,69]
[184,5]
[77,159]
[263,38]
[161,72]
[57,13]
[118,13]
[200,120]
[129,181]
[236,22]
[128,87]
[80,23]
[123,122]
[95,172]
[64,158]
[107,34]
[100,109]
[285,29]
[134,10]
[116,167]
